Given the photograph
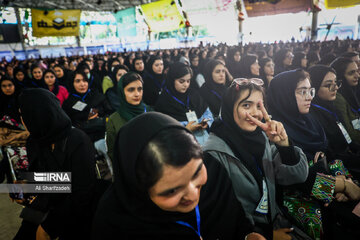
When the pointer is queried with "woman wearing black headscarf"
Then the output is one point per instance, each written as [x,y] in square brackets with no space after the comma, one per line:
[215,85]
[240,142]
[51,83]
[324,81]
[180,102]
[20,78]
[54,146]
[299,61]
[143,204]
[346,101]
[289,100]
[138,66]
[112,92]
[249,66]
[283,60]
[8,100]
[87,108]
[233,62]
[36,77]
[154,80]
[266,70]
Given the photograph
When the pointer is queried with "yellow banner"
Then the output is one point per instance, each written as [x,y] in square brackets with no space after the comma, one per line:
[340,3]
[55,22]
[163,16]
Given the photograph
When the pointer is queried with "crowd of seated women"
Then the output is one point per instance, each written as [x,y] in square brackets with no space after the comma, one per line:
[260,141]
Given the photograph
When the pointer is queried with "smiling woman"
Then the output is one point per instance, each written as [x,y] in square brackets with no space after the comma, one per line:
[164,190]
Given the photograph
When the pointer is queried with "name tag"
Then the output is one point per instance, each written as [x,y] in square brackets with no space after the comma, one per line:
[79,106]
[344,132]
[263,206]
[191,116]
[356,124]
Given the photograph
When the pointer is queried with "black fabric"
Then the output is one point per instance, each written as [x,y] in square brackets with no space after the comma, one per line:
[233,66]
[168,102]
[53,146]
[248,147]
[305,131]
[20,85]
[126,211]
[9,105]
[153,83]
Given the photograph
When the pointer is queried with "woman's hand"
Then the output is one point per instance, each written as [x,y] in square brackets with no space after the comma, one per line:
[352,190]
[282,234]
[318,155]
[254,236]
[41,234]
[192,126]
[273,129]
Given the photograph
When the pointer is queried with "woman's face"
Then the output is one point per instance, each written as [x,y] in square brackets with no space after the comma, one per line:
[37,73]
[120,73]
[219,75]
[134,92]
[59,72]
[288,59]
[352,74]
[80,85]
[20,76]
[251,106]
[195,62]
[329,82]
[255,68]
[139,65]
[7,87]
[158,66]
[304,62]
[269,68]
[49,79]
[237,56]
[303,100]
[182,84]
[178,190]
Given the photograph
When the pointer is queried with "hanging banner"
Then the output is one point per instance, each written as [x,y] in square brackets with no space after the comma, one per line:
[163,16]
[270,7]
[55,22]
[199,11]
[340,3]
[126,22]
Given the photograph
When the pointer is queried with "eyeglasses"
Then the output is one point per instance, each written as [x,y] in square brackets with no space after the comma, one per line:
[7,85]
[306,92]
[332,86]
[246,81]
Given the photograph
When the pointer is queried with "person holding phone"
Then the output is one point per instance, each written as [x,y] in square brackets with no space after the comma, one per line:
[183,103]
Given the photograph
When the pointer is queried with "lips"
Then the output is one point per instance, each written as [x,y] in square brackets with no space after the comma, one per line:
[187,203]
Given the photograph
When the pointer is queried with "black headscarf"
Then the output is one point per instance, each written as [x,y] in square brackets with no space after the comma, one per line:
[169,100]
[347,91]
[9,105]
[325,111]
[303,129]
[231,64]
[127,210]
[63,81]
[43,116]
[153,83]
[56,84]
[210,91]
[245,65]
[248,147]
[20,84]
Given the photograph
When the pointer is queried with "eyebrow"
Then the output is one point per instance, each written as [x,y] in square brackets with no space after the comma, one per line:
[180,186]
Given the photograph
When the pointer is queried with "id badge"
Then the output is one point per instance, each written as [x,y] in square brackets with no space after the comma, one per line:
[356,124]
[79,106]
[191,116]
[263,206]
[344,132]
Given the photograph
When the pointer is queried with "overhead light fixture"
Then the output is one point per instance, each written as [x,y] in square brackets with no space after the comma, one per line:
[98,2]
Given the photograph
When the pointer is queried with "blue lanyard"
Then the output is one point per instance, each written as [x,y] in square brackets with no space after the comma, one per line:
[216,94]
[355,111]
[197,222]
[179,101]
[332,113]
[144,108]
[82,98]
[160,86]
[34,83]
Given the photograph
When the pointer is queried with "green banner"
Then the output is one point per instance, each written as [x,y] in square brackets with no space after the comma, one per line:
[126,22]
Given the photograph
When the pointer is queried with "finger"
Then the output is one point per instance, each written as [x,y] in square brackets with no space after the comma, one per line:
[264,112]
[288,229]
[273,128]
[262,125]
[316,157]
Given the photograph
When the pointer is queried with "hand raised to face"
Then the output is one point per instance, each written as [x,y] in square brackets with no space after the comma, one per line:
[273,129]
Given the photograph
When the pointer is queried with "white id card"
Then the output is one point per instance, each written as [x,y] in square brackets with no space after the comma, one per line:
[263,206]
[344,132]
[79,106]
[191,116]
[356,124]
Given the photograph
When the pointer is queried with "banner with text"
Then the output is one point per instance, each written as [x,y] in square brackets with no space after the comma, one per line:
[55,22]
[340,3]
[163,16]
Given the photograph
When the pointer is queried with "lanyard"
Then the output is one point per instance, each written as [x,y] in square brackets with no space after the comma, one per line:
[144,108]
[34,83]
[197,222]
[355,111]
[82,98]
[216,94]
[332,113]
[179,101]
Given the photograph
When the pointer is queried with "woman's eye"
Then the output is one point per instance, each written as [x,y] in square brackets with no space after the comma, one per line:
[246,105]
[130,89]
[169,193]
